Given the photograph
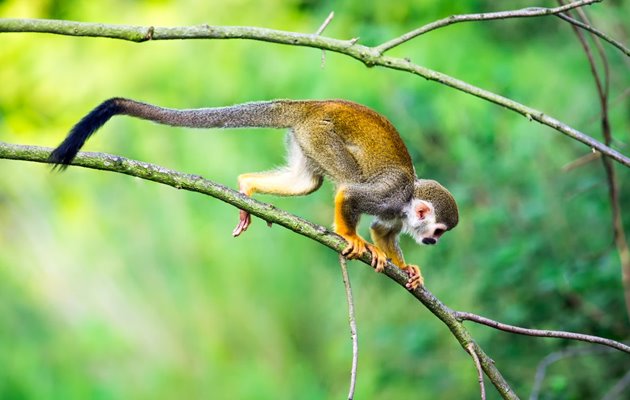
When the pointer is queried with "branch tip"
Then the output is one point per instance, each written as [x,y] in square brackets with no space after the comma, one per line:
[453,19]
[325,23]
[466,316]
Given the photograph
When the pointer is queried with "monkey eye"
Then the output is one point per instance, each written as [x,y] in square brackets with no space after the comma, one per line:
[438,232]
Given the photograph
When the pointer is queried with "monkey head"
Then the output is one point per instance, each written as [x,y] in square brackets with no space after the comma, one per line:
[431,212]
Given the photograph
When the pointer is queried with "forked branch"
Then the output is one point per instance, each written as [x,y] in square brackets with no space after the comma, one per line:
[454,19]
[268,213]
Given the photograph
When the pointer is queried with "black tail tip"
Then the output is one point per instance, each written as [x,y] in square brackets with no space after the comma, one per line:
[63,155]
[59,159]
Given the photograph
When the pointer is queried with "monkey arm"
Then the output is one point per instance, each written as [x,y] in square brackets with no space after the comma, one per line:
[346,220]
[385,236]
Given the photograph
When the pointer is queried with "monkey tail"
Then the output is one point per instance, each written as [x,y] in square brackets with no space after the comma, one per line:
[274,114]
[68,149]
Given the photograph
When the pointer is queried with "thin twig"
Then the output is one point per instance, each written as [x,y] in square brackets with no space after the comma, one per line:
[604,59]
[453,19]
[268,213]
[325,23]
[473,354]
[556,356]
[466,316]
[618,388]
[597,32]
[620,99]
[320,31]
[353,326]
[585,159]
[368,55]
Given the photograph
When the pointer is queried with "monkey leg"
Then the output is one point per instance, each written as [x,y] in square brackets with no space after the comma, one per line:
[298,177]
[346,220]
[385,236]
[286,181]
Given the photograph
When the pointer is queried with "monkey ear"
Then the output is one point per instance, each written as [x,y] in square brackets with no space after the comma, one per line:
[422,210]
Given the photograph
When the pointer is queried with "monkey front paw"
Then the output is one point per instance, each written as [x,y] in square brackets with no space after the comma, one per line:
[415,277]
[357,246]
[245,219]
[379,258]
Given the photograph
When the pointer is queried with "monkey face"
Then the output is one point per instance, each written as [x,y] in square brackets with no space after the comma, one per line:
[420,222]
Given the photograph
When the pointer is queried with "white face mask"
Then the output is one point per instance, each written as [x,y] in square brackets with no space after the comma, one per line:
[419,222]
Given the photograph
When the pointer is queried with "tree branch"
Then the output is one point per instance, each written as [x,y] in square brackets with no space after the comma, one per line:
[452,319]
[370,56]
[454,19]
[268,213]
[466,316]
[596,32]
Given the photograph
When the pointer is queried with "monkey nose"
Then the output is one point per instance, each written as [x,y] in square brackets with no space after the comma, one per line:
[429,241]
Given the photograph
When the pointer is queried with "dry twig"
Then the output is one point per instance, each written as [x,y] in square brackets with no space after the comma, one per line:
[353,326]
[471,350]
[595,31]
[320,31]
[556,356]
[618,388]
[325,23]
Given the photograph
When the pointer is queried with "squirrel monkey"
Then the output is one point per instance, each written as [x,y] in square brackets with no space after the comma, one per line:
[357,148]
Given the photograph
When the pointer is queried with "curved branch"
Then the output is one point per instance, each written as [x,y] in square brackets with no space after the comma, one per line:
[370,56]
[452,319]
[268,213]
[466,316]
[453,19]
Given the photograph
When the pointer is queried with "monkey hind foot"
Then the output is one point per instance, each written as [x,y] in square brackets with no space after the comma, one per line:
[415,277]
[245,219]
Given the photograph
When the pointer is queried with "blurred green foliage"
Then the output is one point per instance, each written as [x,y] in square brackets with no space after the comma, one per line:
[115,288]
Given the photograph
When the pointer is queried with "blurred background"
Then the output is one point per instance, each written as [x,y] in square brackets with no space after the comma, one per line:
[117,288]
